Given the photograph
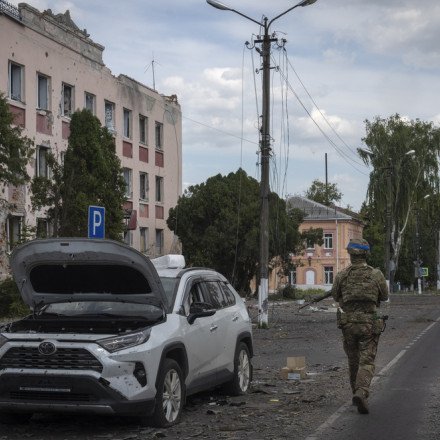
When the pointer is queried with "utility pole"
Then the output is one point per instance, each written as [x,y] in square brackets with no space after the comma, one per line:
[264,185]
[419,280]
[265,149]
[326,180]
[388,230]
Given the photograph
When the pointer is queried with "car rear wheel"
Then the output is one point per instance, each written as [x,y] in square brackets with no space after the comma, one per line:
[170,394]
[242,371]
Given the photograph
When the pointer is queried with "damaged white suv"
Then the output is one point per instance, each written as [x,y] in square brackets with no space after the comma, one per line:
[113,333]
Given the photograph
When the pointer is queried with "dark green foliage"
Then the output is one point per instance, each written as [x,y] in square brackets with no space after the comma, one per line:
[322,193]
[91,175]
[404,157]
[46,191]
[15,149]
[11,304]
[313,236]
[374,233]
[218,223]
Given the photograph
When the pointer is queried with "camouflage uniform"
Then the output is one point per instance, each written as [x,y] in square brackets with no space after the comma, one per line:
[359,289]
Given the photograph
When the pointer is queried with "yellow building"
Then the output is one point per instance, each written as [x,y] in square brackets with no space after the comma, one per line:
[317,266]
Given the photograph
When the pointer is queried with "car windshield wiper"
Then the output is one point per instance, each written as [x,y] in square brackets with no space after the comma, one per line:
[111,315]
[50,314]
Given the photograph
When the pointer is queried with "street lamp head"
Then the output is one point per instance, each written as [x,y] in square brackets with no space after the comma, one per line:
[219,5]
[410,153]
[307,2]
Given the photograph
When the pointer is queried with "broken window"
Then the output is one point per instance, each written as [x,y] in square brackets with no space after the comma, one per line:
[43,92]
[159,242]
[13,230]
[143,129]
[159,135]
[110,115]
[143,232]
[90,102]
[127,123]
[67,100]
[128,182]
[143,186]
[159,189]
[42,167]
[16,81]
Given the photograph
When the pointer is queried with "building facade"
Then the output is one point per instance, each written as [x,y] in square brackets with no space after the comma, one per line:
[317,265]
[48,69]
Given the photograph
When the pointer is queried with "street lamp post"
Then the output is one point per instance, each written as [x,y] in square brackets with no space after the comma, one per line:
[265,150]
[388,229]
[418,260]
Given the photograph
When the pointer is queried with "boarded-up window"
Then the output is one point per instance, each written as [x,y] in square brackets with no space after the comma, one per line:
[159,159]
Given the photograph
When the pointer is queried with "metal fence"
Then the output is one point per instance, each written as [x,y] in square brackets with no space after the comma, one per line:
[11,10]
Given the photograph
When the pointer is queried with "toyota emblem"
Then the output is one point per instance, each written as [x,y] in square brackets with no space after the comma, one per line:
[47,348]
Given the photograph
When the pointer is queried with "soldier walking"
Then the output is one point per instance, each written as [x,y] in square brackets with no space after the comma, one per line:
[359,289]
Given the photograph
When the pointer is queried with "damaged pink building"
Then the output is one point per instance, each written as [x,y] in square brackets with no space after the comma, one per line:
[48,69]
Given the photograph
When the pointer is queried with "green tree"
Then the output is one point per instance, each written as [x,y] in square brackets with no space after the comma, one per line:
[11,304]
[15,149]
[218,224]
[46,191]
[374,233]
[322,193]
[91,175]
[404,156]
[15,152]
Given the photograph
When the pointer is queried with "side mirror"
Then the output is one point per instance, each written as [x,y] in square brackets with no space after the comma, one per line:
[200,314]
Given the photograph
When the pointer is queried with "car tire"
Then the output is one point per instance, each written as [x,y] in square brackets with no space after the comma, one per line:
[170,395]
[242,371]
[14,418]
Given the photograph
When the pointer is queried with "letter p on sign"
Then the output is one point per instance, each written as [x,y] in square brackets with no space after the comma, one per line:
[96,222]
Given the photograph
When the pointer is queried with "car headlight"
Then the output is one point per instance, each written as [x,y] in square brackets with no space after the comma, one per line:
[122,342]
[3,340]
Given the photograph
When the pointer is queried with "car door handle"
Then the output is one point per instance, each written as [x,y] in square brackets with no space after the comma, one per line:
[213,328]
[235,319]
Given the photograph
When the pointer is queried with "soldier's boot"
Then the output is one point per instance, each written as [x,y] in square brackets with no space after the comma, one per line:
[361,402]
[353,391]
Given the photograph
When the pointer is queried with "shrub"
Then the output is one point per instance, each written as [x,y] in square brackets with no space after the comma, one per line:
[11,304]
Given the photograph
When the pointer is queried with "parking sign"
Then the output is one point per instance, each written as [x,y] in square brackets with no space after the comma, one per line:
[424,272]
[96,222]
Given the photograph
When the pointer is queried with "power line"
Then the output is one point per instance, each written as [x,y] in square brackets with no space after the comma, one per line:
[342,154]
[319,110]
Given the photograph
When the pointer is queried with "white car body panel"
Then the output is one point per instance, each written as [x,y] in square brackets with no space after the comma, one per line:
[79,365]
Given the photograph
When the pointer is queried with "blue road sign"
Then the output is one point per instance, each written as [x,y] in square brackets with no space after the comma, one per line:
[96,222]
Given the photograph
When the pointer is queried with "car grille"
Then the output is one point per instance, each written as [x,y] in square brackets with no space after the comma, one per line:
[62,359]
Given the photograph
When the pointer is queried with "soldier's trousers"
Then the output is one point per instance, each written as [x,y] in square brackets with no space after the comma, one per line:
[360,345]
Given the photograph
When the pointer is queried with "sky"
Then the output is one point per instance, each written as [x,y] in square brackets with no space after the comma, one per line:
[343,62]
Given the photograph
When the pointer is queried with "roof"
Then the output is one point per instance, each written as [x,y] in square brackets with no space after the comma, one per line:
[316,211]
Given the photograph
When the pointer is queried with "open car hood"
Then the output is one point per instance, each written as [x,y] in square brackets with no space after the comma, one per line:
[80,269]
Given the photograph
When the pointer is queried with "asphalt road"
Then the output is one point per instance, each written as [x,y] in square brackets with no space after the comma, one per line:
[405,398]
[316,408]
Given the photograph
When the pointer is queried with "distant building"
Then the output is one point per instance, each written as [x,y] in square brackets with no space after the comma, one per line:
[48,69]
[317,265]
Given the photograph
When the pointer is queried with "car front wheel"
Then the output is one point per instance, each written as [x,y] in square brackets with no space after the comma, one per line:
[242,371]
[170,394]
